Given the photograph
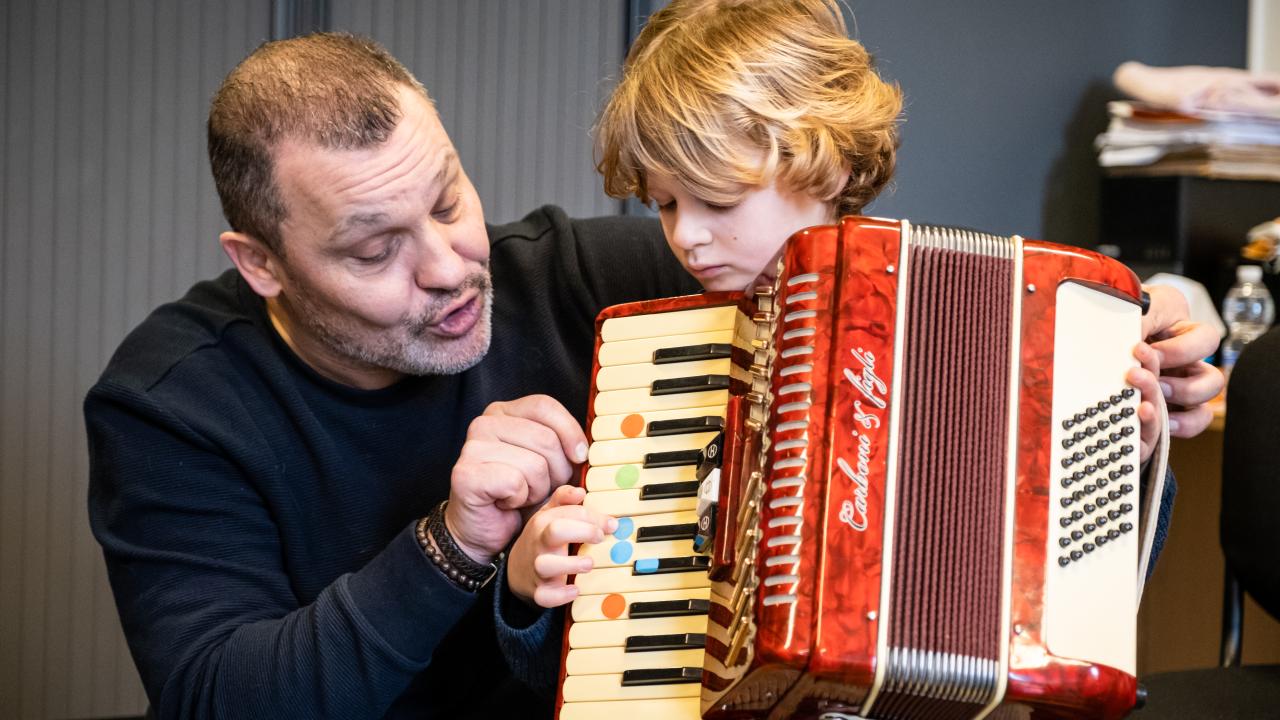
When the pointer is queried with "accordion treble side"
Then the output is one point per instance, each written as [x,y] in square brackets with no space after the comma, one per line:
[900,483]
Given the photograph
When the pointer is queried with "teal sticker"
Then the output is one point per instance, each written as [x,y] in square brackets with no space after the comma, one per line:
[625,527]
[620,553]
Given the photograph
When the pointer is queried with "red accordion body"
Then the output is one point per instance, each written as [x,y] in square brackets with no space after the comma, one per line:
[917,461]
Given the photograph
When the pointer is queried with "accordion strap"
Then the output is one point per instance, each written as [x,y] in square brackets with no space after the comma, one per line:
[1149,503]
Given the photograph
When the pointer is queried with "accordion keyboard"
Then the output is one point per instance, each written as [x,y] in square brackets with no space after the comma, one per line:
[636,644]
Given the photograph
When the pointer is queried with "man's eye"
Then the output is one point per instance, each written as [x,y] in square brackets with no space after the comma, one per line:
[377,258]
[374,259]
[448,213]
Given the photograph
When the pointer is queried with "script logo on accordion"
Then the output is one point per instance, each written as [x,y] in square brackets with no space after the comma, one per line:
[854,512]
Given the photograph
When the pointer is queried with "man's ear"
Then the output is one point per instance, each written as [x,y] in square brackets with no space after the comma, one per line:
[258,265]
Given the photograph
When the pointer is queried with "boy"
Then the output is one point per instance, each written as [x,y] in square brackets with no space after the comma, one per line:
[743,122]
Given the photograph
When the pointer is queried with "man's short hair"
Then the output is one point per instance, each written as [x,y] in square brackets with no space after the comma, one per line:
[332,89]
[724,95]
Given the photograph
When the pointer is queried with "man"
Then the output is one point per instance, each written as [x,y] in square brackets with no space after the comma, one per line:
[263,449]
[270,454]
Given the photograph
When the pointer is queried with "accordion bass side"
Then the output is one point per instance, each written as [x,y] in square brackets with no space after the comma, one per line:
[901,483]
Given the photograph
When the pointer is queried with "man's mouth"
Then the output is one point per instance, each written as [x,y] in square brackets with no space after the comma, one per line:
[458,318]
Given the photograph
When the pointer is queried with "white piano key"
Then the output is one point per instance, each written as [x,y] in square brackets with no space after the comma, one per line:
[622,377]
[615,605]
[625,477]
[633,450]
[684,708]
[611,402]
[590,688]
[678,322]
[621,580]
[627,352]
[616,553]
[628,502]
[600,661]
[614,633]
[634,425]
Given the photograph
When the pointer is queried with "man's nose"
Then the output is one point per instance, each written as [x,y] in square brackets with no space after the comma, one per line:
[439,264]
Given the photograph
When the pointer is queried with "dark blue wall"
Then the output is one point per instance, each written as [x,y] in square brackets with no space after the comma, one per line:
[1005,97]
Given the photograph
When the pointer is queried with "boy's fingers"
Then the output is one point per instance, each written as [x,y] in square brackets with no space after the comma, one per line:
[550,596]
[549,566]
[566,495]
[1195,385]
[1190,422]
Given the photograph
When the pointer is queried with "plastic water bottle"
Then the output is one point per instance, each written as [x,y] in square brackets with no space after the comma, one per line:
[1247,310]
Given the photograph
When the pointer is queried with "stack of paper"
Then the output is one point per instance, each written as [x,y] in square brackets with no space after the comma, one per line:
[1148,140]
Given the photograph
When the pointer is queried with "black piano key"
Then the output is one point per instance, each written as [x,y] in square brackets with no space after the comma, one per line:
[661,566]
[694,383]
[669,608]
[665,491]
[656,533]
[652,643]
[661,676]
[681,426]
[672,458]
[689,353]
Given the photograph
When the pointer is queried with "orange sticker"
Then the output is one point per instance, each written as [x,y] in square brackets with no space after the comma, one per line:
[613,606]
[633,425]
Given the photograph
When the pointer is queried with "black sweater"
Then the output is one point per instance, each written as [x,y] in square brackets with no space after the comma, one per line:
[257,518]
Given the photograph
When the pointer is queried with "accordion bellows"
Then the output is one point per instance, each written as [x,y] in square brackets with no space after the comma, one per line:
[901,483]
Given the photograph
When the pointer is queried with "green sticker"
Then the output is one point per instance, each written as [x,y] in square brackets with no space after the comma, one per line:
[627,476]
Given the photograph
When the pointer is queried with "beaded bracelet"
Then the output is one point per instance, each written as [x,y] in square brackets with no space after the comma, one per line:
[438,543]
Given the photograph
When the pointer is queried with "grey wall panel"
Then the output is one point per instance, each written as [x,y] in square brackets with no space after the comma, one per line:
[106,210]
[517,84]
[1004,99]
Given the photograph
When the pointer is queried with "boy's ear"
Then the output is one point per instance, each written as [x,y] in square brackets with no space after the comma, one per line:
[846,174]
[258,265]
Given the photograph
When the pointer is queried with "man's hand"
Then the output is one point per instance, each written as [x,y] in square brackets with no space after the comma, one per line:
[539,566]
[515,455]
[1179,348]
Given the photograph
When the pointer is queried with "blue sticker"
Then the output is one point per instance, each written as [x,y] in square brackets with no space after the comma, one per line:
[648,565]
[625,526]
[620,553]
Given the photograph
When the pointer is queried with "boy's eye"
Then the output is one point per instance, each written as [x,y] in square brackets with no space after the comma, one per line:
[665,206]
[721,208]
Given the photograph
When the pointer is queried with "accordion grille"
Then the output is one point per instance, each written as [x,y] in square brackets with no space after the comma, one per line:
[944,637]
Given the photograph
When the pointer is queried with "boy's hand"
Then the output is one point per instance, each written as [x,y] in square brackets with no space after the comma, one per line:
[539,566]
[1145,380]
[1180,347]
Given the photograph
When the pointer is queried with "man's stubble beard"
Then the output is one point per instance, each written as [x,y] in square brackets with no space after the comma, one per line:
[409,347]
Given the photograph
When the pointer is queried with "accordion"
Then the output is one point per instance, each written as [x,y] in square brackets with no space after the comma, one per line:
[902,482]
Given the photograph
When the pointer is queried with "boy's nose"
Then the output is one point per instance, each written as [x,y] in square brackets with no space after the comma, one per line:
[688,233]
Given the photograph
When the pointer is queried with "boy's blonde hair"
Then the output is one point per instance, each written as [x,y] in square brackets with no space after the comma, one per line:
[726,95]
